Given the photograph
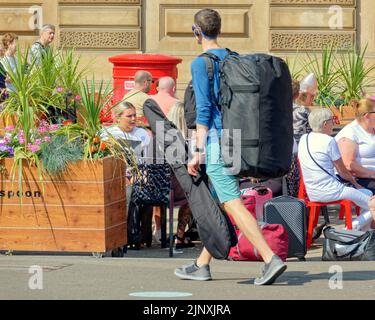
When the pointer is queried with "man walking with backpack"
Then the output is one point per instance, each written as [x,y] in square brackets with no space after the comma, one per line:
[206,28]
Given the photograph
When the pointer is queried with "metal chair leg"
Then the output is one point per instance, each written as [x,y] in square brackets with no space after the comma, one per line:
[171,209]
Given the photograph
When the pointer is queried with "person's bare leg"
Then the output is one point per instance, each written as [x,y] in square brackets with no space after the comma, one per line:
[156,213]
[372,210]
[250,228]
[204,258]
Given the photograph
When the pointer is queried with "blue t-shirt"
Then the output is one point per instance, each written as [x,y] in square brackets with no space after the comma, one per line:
[208,114]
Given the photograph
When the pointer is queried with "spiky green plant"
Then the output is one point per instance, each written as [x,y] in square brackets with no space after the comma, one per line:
[26,103]
[71,71]
[93,100]
[295,66]
[48,75]
[324,67]
[355,74]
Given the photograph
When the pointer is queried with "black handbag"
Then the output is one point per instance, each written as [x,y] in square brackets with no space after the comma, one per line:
[348,245]
[152,185]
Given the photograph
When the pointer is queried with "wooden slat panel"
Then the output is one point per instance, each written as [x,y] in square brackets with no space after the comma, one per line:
[95,171]
[116,237]
[95,217]
[63,194]
[49,240]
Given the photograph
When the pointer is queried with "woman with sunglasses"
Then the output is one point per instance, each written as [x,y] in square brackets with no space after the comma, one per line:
[357,144]
[319,158]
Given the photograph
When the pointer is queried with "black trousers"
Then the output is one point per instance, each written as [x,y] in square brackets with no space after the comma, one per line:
[368,184]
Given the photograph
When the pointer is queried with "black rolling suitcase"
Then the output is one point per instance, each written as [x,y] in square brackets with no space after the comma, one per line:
[292,214]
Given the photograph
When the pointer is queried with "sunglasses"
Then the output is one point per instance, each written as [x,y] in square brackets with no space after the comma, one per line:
[335,120]
[196,30]
[130,116]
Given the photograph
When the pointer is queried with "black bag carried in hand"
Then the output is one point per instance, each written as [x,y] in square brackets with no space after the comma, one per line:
[215,229]
[348,245]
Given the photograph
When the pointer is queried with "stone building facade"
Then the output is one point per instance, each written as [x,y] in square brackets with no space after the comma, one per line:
[99,29]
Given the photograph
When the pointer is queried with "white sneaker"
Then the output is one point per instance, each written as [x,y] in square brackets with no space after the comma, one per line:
[156,237]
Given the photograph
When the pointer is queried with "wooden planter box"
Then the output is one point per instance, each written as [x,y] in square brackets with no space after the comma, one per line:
[347,115]
[84,211]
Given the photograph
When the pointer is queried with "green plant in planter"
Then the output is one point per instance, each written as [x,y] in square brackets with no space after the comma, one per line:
[71,75]
[59,153]
[355,75]
[325,70]
[88,132]
[25,103]
[296,69]
[36,141]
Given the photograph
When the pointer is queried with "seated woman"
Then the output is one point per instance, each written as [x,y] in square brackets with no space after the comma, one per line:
[357,144]
[319,156]
[126,129]
[135,141]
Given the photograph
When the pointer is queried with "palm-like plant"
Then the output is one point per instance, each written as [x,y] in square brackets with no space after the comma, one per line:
[48,75]
[26,103]
[296,69]
[71,73]
[324,68]
[88,130]
[355,74]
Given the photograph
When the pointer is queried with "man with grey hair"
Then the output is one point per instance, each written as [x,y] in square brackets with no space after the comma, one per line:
[137,97]
[319,156]
[41,47]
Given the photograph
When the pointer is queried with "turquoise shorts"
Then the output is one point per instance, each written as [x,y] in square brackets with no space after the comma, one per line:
[226,185]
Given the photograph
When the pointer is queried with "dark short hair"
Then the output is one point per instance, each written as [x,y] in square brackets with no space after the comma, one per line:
[209,21]
[296,88]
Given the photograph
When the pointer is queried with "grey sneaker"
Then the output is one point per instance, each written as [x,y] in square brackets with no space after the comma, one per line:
[271,272]
[193,272]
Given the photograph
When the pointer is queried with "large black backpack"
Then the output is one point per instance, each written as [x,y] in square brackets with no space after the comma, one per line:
[256,104]
[256,99]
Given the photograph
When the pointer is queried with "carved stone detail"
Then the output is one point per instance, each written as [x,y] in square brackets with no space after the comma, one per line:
[309,41]
[100,39]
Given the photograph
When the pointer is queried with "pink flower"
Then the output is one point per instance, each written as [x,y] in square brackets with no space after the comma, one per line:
[47,139]
[33,148]
[60,89]
[42,129]
[7,139]
[21,137]
[77,98]
[38,142]
[54,127]
[9,128]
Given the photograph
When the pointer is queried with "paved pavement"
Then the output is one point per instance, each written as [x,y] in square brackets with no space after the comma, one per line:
[151,270]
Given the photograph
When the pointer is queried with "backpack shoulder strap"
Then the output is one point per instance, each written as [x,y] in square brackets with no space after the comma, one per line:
[209,58]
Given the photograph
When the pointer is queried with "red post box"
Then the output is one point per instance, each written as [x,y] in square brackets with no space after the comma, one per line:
[125,67]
